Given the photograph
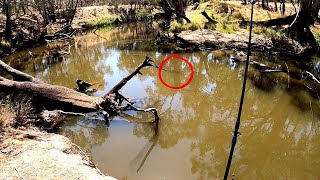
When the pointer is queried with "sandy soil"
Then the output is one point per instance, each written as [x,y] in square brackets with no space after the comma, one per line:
[38,155]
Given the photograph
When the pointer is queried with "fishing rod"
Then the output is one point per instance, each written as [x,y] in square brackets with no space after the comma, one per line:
[236,132]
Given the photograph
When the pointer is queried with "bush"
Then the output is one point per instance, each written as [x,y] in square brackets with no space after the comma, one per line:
[14,111]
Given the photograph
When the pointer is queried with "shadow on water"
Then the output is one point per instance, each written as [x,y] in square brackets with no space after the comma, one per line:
[280,127]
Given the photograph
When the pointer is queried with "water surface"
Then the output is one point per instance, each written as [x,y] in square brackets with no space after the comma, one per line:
[280,127]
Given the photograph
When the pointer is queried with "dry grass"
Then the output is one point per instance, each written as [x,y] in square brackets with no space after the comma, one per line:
[7,115]
[14,111]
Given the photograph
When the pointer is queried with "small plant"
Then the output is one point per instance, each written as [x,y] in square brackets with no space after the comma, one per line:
[143,14]
[14,111]
[7,115]
[23,108]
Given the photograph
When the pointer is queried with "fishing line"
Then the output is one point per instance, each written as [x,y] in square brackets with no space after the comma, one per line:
[237,125]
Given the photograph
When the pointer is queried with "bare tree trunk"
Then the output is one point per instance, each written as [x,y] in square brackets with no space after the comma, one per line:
[179,6]
[300,28]
[283,7]
[275,6]
[263,4]
[8,29]
[169,11]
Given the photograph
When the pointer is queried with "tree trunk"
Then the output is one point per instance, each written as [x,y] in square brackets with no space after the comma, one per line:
[275,6]
[283,7]
[263,4]
[300,28]
[169,11]
[8,29]
[179,6]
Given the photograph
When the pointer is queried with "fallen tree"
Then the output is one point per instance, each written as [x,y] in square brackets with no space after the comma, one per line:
[52,97]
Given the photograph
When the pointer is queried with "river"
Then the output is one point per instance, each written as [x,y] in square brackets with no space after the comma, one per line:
[280,126]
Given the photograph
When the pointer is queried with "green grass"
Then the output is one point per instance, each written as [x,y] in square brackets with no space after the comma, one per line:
[104,21]
[269,32]
[143,14]
[226,22]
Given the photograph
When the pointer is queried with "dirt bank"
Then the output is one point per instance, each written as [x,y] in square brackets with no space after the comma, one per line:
[212,39]
[31,154]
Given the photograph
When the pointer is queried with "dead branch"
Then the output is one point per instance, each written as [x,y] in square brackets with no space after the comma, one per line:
[169,11]
[204,13]
[19,173]
[17,75]
[147,62]
[313,77]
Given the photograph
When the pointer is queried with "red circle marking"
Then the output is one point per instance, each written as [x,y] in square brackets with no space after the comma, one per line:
[180,58]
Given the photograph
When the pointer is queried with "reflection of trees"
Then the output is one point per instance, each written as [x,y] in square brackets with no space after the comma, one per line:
[86,133]
[205,111]
[277,139]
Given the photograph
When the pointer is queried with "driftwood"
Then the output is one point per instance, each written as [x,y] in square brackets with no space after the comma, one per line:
[53,97]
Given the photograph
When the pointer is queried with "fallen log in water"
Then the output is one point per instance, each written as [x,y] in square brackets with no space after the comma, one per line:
[52,97]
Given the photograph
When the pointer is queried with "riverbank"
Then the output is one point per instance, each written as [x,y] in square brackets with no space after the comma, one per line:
[27,151]
[220,25]
[206,39]
[28,32]
[31,154]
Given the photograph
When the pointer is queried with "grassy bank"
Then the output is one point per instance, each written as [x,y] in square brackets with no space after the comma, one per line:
[101,16]
[229,15]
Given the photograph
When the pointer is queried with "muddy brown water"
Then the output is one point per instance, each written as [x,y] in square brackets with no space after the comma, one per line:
[280,127]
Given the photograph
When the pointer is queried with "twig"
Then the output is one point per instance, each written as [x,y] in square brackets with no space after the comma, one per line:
[147,62]
[311,110]
[69,113]
[313,77]
[295,19]
[19,173]
[270,70]
[288,74]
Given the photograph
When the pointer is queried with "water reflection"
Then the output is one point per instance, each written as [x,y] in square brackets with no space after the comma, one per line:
[280,127]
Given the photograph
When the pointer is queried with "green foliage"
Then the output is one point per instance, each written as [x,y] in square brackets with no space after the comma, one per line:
[179,27]
[104,21]
[269,32]
[143,14]
[317,36]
